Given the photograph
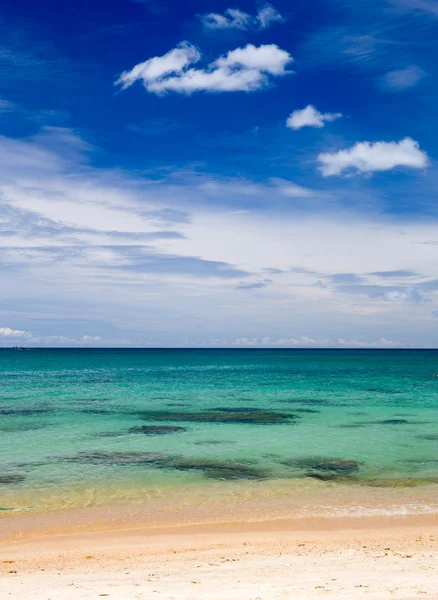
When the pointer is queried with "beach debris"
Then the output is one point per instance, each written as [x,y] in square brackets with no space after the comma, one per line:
[255,416]
[10,478]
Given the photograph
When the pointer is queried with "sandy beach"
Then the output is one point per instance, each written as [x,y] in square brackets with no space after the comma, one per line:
[350,558]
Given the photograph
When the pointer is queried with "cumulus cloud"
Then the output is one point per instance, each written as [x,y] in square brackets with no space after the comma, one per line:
[14,333]
[243,69]
[158,67]
[91,338]
[310,117]
[233,18]
[402,79]
[367,157]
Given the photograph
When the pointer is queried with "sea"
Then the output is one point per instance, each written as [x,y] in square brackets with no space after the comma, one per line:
[262,433]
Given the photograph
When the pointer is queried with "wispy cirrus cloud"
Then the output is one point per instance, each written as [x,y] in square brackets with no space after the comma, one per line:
[241,70]
[402,79]
[369,157]
[310,342]
[310,117]
[233,18]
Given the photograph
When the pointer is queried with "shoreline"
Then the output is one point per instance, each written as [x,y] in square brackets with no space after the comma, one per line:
[132,519]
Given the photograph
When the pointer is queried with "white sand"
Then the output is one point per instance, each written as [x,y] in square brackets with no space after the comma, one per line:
[353,559]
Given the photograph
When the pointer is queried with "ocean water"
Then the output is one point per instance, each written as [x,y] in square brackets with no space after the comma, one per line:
[296,429]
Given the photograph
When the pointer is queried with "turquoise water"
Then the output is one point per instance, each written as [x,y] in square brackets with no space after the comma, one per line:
[79,427]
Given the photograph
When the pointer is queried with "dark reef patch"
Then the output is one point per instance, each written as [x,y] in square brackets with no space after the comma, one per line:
[310,411]
[212,442]
[212,469]
[118,458]
[324,465]
[157,429]
[21,428]
[23,412]
[433,437]
[11,478]
[215,469]
[256,417]
[392,422]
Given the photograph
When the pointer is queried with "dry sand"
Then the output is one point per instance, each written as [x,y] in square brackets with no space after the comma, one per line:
[372,558]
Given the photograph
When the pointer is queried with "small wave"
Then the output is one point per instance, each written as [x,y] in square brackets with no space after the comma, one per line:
[14,509]
[368,511]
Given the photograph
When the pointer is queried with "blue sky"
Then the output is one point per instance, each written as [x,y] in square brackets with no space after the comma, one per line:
[219,174]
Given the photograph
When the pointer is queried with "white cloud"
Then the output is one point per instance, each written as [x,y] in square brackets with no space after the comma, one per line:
[243,69]
[309,342]
[367,157]
[402,79]
[310,117]
[233,18]
[268,15]
[158,67]
[91,338]
[381,343]
[8,332]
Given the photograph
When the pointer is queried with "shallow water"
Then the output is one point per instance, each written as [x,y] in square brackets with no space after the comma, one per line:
[84,427]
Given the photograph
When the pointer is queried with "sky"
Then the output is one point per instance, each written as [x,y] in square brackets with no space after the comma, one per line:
[216,174]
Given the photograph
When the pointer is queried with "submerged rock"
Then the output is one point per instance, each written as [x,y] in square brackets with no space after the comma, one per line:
[9,478]
[216,469]
[157,429]
[333,477]
[325,465]
[118,458]
[23,412]
[213,469]
[256,416]
[393,422]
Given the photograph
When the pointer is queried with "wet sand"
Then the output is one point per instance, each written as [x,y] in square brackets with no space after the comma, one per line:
[375,557]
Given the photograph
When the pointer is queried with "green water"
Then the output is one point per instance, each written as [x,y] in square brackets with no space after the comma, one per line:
[248,417]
